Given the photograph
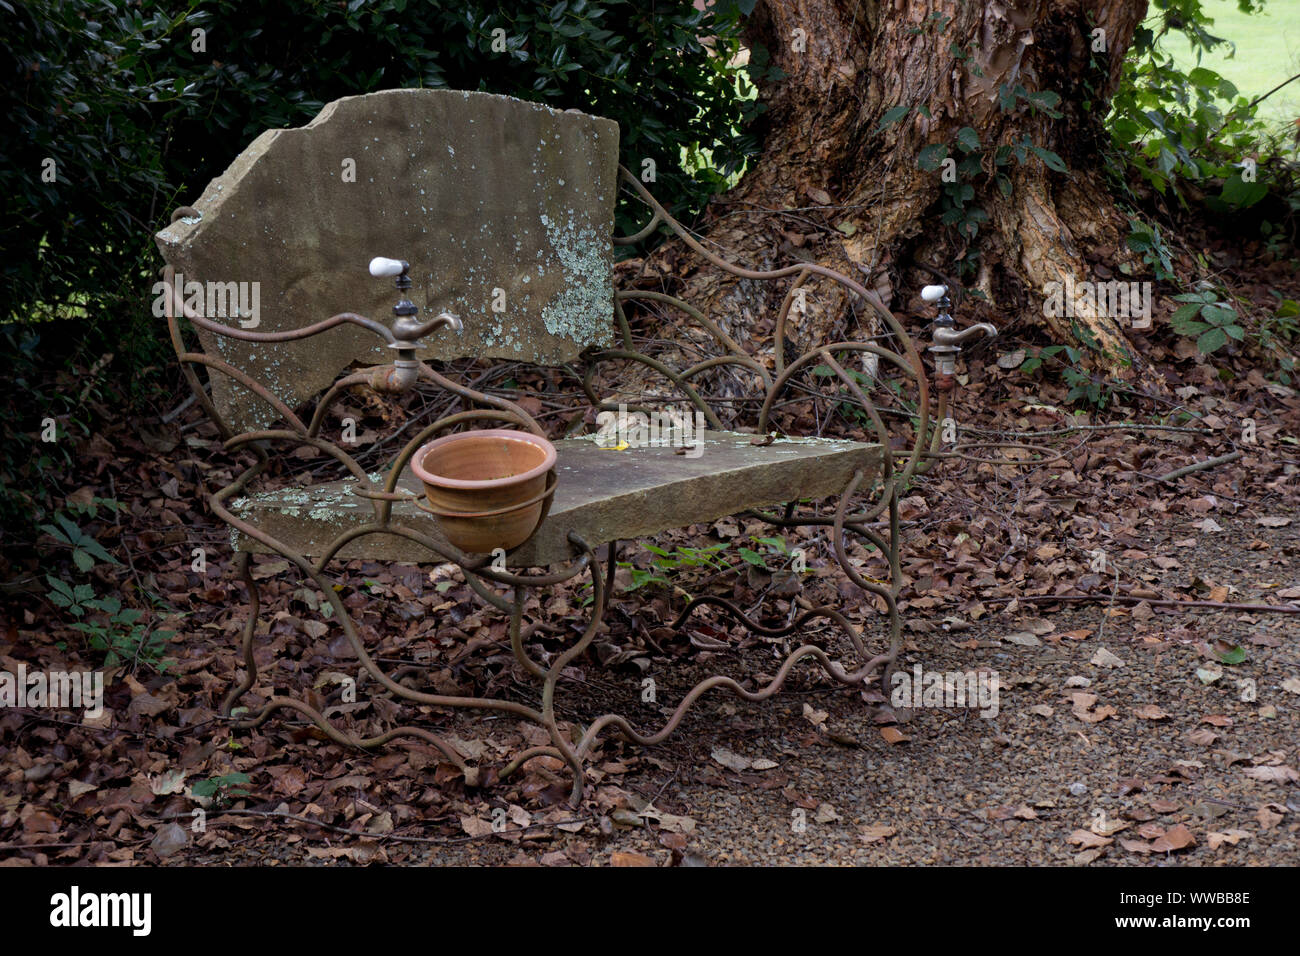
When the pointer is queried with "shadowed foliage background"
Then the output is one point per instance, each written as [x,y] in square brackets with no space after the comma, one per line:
[138,111]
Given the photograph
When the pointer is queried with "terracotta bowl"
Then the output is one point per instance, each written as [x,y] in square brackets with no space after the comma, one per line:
[486,487]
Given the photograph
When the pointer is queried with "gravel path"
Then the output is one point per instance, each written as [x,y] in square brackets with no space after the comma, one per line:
[1107,748]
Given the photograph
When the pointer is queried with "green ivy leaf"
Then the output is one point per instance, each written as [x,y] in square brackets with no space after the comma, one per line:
[932,157]
[1241,194]
[968,139]
[1218,314]
[892,116]
[1211,341]
[1050,159]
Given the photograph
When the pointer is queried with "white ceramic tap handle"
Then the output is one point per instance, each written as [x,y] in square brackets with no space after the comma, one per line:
[933,293]
[380,267]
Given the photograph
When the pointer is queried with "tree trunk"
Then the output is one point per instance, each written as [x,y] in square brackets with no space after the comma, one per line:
[868,87]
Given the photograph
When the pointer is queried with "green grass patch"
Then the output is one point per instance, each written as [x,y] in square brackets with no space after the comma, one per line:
[1267,51]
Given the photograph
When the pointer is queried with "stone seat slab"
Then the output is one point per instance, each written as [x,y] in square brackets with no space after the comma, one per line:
[602,494]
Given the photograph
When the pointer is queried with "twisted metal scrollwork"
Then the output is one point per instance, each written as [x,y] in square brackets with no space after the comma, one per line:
[779,383]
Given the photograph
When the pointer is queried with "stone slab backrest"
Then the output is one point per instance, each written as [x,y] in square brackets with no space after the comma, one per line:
[492,200]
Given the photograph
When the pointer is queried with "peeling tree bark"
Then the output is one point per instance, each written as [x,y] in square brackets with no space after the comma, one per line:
[833,186]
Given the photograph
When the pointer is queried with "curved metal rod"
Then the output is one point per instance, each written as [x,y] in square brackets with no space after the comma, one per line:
[524,756]
[624,330]
[823,350]
[560,747]
[642,234]
[360,377]
[886,592]
[778,333]
[486,593]
[803,271]
[255,387]
[479,398]
[516,608]
[829,666]
[941,414]
[288,335]
[823,611]
[913,365]
[375,527]
[888,483]
[743,360]
[275,703]
[345,620]
[331,449]
[871,298]
[250,627]
[345,739]
[570,755]
[655,364]
[712,327]
[178,345]
[485,570]
[882,433]
[923,412]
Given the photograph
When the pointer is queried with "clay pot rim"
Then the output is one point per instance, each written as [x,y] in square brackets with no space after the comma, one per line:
[479,484]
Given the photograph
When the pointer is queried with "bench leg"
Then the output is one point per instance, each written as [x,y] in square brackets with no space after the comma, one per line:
[250,626]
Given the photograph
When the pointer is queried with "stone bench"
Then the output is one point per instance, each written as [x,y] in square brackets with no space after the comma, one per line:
[504,212]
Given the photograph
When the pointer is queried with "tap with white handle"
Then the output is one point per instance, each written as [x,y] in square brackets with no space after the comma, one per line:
[381,267]
[947,340]
[406,327]
[402,375]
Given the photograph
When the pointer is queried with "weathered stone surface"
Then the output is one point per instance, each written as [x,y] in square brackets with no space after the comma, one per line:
[478,192]
[601,493]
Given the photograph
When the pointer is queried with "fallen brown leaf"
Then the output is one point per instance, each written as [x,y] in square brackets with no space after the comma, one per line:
[1135,846]
[1272,774]
[1232,837]
[1087,838]
[1176,839]
[876,832]
[1266,818]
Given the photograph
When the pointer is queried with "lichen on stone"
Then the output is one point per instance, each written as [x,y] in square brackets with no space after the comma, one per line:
[587,289]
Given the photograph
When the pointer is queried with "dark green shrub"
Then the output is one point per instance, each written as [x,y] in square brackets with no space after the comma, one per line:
[1191,135]
[137,112]
[116,112]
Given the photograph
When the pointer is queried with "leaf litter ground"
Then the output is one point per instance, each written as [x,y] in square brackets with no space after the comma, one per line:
[1127,732]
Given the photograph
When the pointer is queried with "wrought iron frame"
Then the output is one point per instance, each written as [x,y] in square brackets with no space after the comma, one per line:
[883,494]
